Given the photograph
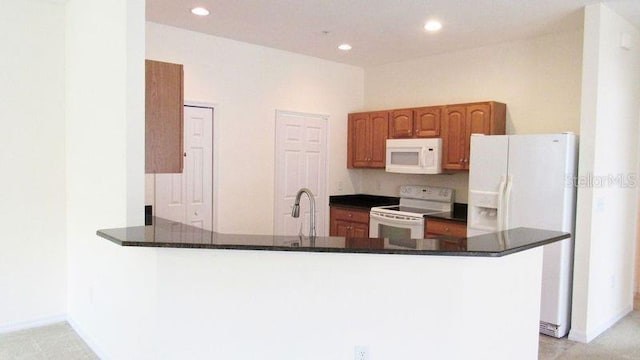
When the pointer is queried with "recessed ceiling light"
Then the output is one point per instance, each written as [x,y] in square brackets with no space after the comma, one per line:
[200,11]
[433,25]
[344,47]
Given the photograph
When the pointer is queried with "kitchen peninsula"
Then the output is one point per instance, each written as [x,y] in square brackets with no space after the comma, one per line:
[203,294]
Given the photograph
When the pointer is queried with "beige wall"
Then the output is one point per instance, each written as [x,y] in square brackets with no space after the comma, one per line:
[606,215]
[32,154]
[104,151]
[637,289]
[539,80]
[247,84]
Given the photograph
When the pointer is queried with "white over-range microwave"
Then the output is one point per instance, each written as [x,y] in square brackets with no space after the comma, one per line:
[414,156]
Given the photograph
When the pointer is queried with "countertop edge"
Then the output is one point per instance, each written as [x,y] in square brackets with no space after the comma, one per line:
[467,253]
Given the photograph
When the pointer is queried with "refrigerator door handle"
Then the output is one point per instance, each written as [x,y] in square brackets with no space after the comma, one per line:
[501,187]
[507,201]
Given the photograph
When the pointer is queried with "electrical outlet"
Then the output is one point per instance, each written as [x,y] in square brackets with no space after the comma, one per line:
[361,353]
[340,185]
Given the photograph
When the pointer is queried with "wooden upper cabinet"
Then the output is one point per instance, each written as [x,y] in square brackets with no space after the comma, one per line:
[460,121]
[379,136]
[367,139]
[359,140]
[401,124]
[421,122]
[427,121]
[164,111]
[368,131]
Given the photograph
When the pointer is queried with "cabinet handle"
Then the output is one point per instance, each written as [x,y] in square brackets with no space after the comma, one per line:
[350,215]
[446,229]
[461,160]
[409,132]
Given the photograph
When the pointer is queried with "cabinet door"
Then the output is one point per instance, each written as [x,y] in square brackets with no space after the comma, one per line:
[359,140]
[478,122]
[454,131]
[427,121]
[164,109]
[341,228]
[359,230]
[379,133]
[443,227]
[401,124]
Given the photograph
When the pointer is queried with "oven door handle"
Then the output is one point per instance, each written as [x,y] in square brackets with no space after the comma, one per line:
[394,220]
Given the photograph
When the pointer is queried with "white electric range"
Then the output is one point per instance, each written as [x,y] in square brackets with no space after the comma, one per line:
[406,220]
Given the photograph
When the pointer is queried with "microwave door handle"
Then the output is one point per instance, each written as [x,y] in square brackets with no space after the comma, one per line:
[423,158]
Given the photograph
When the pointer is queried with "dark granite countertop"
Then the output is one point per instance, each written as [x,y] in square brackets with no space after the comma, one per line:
[458,214]
[168,234]
[362,201]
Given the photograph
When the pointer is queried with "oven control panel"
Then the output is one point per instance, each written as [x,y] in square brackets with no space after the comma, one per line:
[422,192]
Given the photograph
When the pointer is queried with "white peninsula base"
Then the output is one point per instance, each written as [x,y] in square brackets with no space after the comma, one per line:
[166,303]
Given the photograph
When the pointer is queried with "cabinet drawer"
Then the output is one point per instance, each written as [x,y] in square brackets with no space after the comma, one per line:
[442,227]
[350,215]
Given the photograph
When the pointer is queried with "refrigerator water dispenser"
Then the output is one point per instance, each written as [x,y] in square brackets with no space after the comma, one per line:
[483,213]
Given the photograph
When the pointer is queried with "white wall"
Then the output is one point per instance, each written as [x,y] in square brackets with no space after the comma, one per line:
[606,216]
[104,143]
[32,154]
[247,83]
[315,306]
[539,80]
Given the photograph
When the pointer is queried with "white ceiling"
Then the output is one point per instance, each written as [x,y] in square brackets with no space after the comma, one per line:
[380,31]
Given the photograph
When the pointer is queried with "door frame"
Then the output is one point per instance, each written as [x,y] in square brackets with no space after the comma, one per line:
[215,158]
[323,203]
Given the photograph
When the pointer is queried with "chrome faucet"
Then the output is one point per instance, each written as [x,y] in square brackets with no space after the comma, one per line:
[295,211]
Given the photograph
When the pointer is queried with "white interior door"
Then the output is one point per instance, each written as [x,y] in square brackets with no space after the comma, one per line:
[301,161]
[187,197]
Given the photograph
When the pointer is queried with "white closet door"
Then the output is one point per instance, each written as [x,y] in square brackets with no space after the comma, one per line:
[301,161]
[187,197]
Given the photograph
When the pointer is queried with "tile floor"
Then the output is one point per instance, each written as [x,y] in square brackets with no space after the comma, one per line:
[621,342]
[59,341]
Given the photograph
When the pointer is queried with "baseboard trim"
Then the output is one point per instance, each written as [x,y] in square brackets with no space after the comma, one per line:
[88,339]
[588,336]
[23,325]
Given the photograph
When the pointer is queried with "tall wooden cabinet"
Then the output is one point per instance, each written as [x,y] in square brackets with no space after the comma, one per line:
[164,109]
[460,121]
[367,137]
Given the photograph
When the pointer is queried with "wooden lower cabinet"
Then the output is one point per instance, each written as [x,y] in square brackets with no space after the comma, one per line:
[348,222]
[445,227]
[450,228]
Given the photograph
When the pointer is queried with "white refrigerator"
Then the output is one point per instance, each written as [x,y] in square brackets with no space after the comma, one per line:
[527,181]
